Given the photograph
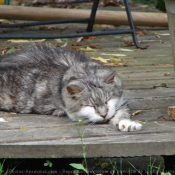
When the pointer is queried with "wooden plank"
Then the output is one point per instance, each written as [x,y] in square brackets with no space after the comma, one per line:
[156,138]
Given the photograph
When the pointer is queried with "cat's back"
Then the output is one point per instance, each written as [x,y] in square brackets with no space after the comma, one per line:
[41,54]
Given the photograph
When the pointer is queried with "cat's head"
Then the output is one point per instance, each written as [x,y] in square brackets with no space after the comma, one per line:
[93,98]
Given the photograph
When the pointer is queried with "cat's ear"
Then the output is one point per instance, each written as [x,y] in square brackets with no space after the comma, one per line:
[110,78]
[73,89]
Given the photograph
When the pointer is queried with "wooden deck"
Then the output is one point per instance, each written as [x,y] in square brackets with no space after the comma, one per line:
[36,136]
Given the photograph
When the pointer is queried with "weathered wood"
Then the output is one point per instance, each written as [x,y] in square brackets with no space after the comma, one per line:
[170,4]
[102,17]
[36,136]
[63,140]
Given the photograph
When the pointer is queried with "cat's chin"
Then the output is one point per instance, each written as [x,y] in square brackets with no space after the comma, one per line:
[86,114]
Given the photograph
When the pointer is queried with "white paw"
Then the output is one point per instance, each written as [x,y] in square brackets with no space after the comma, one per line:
[128,125]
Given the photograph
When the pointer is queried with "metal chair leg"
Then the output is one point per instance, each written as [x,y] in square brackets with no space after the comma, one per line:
[92,16]
[131,23]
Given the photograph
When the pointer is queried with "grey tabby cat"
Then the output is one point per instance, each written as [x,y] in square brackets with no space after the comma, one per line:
[44,79]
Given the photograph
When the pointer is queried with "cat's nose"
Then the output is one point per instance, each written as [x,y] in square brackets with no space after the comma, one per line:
[104,116]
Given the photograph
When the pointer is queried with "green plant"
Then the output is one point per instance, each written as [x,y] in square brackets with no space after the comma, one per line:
[80,166]
[7,172]
[151,168]
[49,164]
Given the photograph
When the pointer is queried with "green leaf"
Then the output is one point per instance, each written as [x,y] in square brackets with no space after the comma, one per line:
[76,172]
[50,164]
[45,164]
[10,50]
[162,173]
[78,166]
[84,155]
[64,39]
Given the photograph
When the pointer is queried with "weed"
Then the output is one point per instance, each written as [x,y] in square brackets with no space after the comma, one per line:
[49,164]
[80,166]
[8,171]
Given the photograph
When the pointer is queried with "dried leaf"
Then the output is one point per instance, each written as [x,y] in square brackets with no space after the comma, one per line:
[163,34]
[65,44]
[127,50]
[23,128]
[141,32]
[88,49]
[112,3]
[128,43]
[136,113]
[24,41]
[86,38]
[161,118]
[166,74]
[160,85]
[99,59]
[4,50]
[139,121]
[116,55]
[48,27]
[58,40]
[79,39]
[114,60]
[158,36]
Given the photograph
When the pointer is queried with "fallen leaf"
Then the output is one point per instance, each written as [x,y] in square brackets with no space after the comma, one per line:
[160,85]
[127,50]
[23,128]
[10,50]
[111,54]
[119,64]
[58,40]
[166,74]
[128,43]
[4,50]
[114,59]
[79,39]
[161,118]
[163,34]
[64,39]
[112,3]
[85,38]
[3,120]
[99,59]
[64,45]
[108,26]
[139,121]
[24,41]
[88,49]
[48,27]
[136,112]
[141,32]
[95,26]
[157,36]
[89,37]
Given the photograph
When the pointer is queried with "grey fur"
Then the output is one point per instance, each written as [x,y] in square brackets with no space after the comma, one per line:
[48,80]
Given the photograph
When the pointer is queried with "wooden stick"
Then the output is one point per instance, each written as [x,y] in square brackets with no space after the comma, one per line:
[102,17]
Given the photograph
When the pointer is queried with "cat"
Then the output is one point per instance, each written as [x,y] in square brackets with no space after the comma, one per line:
[44,79]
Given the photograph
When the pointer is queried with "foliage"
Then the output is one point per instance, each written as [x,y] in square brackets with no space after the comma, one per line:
[8,171]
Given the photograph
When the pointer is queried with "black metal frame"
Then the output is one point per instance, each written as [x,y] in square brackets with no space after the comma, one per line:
[89,30]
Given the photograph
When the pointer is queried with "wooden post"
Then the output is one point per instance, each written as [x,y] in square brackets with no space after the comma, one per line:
[170,6]
[102,16]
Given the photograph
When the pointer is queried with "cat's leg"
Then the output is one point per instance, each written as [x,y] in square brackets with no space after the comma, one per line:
[123,122]
[58,112]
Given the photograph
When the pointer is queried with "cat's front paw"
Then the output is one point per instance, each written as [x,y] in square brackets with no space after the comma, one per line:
[128,125]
